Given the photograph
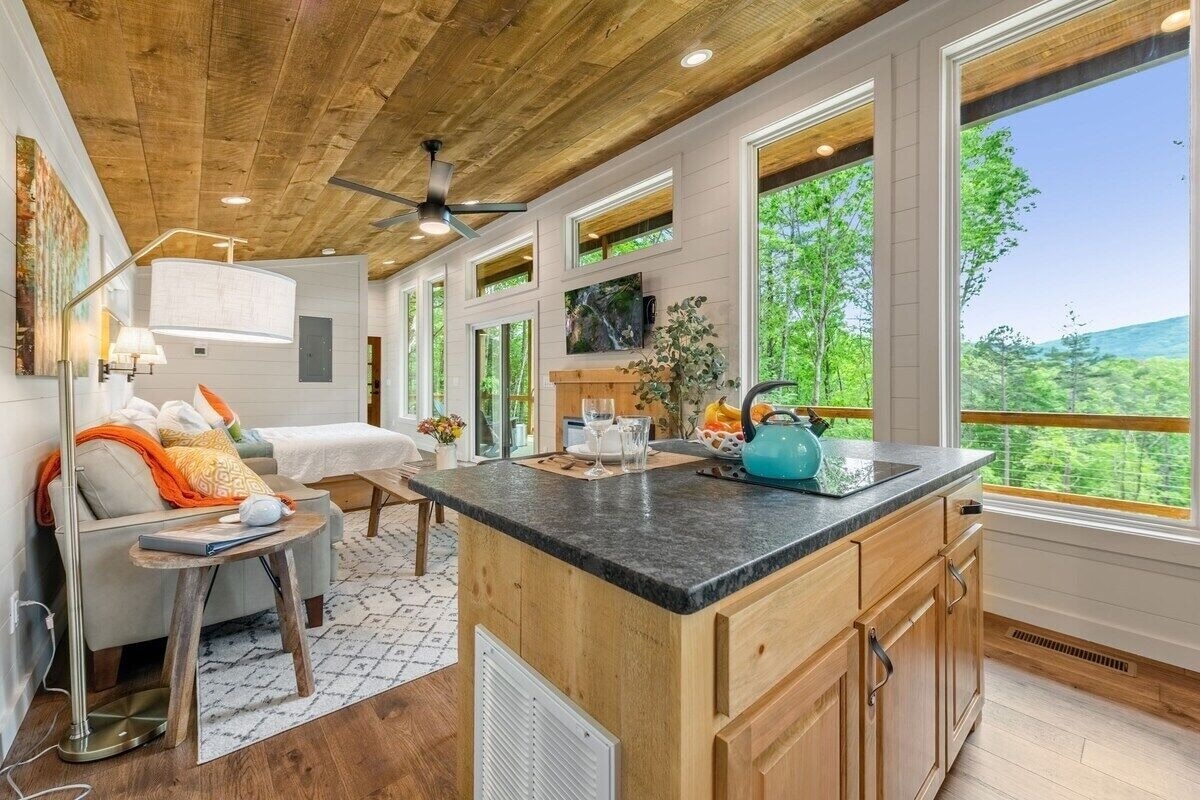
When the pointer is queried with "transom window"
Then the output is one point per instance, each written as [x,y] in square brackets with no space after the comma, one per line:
[510,265]
[633,220]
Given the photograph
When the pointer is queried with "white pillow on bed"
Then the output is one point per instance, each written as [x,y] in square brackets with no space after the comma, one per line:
[133,418]
[142,406]
[181,416]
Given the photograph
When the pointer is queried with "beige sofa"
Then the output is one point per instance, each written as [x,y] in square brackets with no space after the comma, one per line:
[124,604]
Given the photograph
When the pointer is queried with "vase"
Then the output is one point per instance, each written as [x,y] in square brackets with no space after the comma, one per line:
[447,456]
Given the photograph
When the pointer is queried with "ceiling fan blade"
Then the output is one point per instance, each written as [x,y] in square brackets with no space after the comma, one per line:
[358,187]
[486,208]
[465,230]
[439,181]
[384,224]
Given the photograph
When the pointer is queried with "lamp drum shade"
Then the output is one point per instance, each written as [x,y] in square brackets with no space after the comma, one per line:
[203,299]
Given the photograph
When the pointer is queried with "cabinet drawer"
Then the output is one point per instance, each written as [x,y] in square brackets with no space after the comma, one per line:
[764,636]
[960,502]
[892,554]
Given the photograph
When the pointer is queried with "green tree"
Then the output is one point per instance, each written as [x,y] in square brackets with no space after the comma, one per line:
[1004,360]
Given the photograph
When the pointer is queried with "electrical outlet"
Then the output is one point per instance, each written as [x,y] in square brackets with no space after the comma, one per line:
[14,612]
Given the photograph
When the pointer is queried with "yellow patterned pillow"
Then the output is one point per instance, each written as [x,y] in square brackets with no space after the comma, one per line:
[215,473]
[215,439]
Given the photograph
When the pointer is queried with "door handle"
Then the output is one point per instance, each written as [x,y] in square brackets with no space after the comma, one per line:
[971,507]
[888,668]
[958,577]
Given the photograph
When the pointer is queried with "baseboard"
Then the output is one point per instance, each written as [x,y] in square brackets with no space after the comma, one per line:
[12,717]
[1180,654]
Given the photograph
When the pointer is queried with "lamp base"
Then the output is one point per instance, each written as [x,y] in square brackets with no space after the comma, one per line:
[121,725]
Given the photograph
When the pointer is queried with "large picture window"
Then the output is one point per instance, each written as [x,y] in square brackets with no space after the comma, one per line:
[1073,260]
[815,256]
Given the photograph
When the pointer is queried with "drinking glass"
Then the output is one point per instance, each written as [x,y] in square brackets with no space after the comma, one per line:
[598,416]
[635,438]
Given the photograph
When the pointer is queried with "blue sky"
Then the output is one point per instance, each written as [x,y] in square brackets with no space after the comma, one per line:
[1110,230]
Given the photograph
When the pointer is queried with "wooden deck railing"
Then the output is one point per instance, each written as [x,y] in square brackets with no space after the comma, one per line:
[1050,419]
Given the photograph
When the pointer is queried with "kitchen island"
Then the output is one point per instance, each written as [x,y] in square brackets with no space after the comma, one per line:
[736,640]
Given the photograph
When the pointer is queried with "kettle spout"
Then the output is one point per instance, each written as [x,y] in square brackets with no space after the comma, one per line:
[817,423]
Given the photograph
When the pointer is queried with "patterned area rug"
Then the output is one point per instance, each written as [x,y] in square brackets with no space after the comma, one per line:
[383,627]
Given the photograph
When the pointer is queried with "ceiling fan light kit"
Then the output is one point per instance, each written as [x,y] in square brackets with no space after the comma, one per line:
[434,216]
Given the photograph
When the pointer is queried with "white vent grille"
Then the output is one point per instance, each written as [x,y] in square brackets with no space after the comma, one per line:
[531,741]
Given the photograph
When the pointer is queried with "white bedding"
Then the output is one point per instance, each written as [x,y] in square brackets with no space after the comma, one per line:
[310,453]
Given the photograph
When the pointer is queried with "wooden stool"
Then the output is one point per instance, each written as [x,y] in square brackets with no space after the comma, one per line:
[191,590]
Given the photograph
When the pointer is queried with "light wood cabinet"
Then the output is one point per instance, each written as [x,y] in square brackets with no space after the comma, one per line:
[802,739]
[902,647]
[964,638]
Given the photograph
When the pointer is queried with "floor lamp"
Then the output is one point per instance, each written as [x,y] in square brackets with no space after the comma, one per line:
[189,297]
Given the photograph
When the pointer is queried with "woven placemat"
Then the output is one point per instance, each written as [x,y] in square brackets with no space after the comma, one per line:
[572,467]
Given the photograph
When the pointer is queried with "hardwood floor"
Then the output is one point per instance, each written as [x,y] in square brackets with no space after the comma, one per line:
[1054,728]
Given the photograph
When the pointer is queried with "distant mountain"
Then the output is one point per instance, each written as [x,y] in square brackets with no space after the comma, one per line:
[1166,338]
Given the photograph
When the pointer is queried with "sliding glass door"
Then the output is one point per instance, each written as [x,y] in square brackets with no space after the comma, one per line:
[505,411]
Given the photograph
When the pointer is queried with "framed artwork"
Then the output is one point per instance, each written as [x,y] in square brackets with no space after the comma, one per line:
[52,265]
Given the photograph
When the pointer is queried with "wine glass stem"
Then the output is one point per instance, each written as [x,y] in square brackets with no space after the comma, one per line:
[596,439]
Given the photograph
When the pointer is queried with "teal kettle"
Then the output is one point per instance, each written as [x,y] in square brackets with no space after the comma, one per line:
[781,446]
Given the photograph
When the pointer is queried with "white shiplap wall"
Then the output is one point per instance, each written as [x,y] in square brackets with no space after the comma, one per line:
[261,381]
[31,105]
[1125,588]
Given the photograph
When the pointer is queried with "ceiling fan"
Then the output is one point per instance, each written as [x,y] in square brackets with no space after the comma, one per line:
[435,216]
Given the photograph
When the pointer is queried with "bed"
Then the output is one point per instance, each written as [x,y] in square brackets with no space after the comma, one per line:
[322,454]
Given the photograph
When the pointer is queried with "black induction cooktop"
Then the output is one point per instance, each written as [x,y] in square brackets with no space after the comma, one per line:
[838,476]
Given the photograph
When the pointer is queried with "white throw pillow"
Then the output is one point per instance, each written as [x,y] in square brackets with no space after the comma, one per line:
[180,416]
[144,406]
[133,418]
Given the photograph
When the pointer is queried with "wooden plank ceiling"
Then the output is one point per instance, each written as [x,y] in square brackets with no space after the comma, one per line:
[181,102]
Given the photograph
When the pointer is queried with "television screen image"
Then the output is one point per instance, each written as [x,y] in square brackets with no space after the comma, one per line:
[605,316]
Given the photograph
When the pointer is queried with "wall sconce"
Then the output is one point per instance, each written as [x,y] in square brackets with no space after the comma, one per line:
[133,346]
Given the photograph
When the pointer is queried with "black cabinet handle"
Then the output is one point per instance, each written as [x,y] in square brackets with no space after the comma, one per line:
[958,576]
[888,668]
[971,507]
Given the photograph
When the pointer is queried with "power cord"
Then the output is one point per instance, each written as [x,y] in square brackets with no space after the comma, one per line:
[83,789]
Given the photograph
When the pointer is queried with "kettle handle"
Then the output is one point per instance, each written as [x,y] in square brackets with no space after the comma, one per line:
[748,403]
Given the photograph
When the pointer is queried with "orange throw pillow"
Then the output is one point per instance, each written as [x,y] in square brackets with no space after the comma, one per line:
[216,404]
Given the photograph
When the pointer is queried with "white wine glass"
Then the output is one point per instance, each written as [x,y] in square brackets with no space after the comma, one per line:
[598,416]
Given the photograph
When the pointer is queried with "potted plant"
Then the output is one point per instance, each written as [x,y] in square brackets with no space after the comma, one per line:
[683,366]
[446,431]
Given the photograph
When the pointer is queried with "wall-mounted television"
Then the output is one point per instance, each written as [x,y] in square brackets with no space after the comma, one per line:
[606,316]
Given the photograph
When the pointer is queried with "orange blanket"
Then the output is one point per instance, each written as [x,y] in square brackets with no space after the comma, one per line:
[171,484]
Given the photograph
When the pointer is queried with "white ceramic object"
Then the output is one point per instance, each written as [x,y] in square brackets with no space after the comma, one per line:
[585,451]
[721,444]
[447,456]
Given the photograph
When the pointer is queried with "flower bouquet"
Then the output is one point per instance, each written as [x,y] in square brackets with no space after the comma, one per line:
[445,430]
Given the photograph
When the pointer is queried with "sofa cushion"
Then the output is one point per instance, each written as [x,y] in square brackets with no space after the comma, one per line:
[115,481]
[213,439]
[216,474]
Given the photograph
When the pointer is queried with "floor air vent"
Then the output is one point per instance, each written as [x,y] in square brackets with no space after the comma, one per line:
[531,741]
[1091,656]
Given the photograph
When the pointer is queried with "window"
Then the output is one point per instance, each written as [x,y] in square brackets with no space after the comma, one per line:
[631,221]
[411,374]
[508,266]
[437,323]
[1072,241]
[815,256]
[505,407]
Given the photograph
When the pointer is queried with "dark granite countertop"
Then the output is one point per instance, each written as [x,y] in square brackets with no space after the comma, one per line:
[675,538]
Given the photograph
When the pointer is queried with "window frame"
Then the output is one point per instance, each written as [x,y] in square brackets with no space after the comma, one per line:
[941,57]
[412,289]
[616,195]
[525,236]
[425,382]
[871,83]
[525,311]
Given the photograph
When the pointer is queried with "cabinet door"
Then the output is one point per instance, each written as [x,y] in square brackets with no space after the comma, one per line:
[902,641]
[964,638]
[801,740]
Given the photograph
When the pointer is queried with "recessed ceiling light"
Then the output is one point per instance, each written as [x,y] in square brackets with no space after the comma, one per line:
[470,202]
[221,245]
[416,237]
[825,150]
[695,58]
[593,236]
[389,262]
[235,200]
[1177,21]
[327,251]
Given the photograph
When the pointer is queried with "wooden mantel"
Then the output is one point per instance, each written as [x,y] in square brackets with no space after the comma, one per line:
[573,385]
